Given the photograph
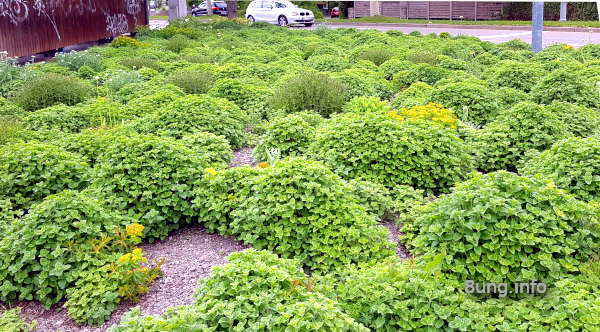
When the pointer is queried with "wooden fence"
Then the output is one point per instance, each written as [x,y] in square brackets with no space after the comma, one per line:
[468,10]
[33,26]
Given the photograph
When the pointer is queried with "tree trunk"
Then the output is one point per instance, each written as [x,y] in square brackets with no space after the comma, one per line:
[209,7]
[231,8]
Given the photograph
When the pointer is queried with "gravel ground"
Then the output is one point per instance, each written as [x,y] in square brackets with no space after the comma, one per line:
[190,254]
[394,229]
[242,157]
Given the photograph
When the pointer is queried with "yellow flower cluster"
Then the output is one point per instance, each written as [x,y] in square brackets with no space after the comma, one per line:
[135,229]
[430,112]
[263,165]
[211,171]
[134,257]
[567,47]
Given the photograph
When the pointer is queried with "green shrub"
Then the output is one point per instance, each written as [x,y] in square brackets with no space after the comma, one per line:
[509,97]
[515,45]
[486,59]
[361,82]
[471,102]
[327,62]
[290,135]
[580,121]
[51,89]
[382,149]
[76,60]
[214,149]
[31,171]
[513,74]
[376,55]
[374,197]
[366,104]
[505,141]
[567,86]
[196,82]
[421,72]
[45,253]
[12,77]
[10,130]
[11,320]
[573,164]
[264,292]
[416,94]
[189,114]
[296,208]
[150,179]
[147,104]
[121,79]
[423,57]
[8,109]
[177,43]
[532,230]
[309,91]
[399,297]
[139,62]
[393,66]
[246,96]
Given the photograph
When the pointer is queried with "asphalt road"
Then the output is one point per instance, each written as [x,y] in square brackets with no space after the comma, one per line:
[575,39]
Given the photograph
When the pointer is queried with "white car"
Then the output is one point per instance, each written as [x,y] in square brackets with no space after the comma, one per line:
[282,12]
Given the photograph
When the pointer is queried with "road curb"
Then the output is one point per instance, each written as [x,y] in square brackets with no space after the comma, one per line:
[461,26]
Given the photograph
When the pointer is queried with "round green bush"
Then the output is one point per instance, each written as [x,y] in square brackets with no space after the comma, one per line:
[363,82]
[189,114]
[417,94]
[503,142]
[214,149]
[393,66]
[51,89]
[509,97]
[196,82]
[139,62]
[145,105]
[150,179]
[295,208]
[501,227]
[264,292]
[376,55]
[580,121]
[8,109]
[513,74]
[59,117]
[421,72]
[573,164]
[31,171]
[43,255]
[309,91]
[382,149]
[245,96]
[289,135]
[327,62]
[567,86]
[366,104]
[471,102]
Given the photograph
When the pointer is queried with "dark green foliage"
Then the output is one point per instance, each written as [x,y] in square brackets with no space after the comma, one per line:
[364,82]
[290,135]
[44,254]
[580,121]
[189,114]
[501,227]
[51,89]
[150,179]
[505,141]
[376,55]
[423,57]
[31,171]
[309,91]
[177,43]
[573,164]
[384,150]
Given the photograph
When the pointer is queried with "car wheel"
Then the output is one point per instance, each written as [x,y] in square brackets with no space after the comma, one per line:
[250,20]
[282,21]
[308,25]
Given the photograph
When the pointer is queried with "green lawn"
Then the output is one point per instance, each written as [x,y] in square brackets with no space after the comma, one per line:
[385,19]
[159,17]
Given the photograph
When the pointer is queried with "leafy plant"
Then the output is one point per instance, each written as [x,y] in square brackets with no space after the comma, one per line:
[376,55]
[138,62]
[366,104]
[11,320]
[382,149]
[501,227]
[150,179]
[75,60]
[513,74]
[309,91]
[177,43]
[51,89]
[31,171]
[189,114]
[567,86]
[196,82]
[429,112]
[121,79]
[580,121]
[214,149]
[291,135]
[573,164]
[471,102]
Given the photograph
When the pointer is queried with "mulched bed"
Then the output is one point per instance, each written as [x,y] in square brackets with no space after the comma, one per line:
[243,157]
[190,254]
[394,230]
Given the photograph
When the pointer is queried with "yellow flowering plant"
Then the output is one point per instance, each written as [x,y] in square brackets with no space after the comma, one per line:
[431,112]
[133,276]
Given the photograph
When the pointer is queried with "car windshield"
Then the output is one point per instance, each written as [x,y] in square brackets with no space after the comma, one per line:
[285,4]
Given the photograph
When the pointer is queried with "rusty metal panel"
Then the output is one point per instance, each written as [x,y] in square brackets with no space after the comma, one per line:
[32,26]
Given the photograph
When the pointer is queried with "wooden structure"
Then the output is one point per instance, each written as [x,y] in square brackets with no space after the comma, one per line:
[449,10]
[32,26]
